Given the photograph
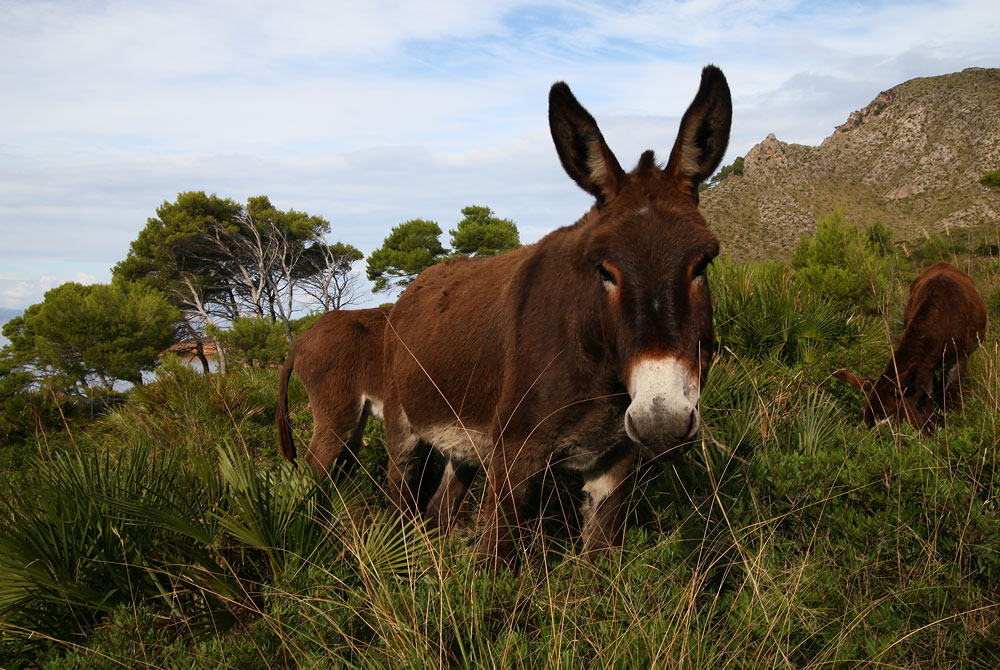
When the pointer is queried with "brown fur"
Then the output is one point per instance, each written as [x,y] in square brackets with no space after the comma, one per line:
[945,321]
[527,360]
[339,360]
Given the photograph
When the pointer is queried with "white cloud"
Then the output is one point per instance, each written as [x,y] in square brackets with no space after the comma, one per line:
[16,295]
[373,113]
[18,291]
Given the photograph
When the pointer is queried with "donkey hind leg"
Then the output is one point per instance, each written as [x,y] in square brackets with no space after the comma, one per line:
[451,491]
[337,437]
[603,507]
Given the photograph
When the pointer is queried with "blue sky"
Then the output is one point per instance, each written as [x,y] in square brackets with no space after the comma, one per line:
[370,114]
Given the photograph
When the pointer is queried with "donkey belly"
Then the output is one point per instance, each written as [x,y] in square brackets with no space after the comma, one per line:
[460,443]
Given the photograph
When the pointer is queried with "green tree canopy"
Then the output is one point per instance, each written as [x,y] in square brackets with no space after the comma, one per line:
[735,168]
[85,336]
[415,245]
[219,260]
[410,248]
[168,250]
[170,254]
[481,233]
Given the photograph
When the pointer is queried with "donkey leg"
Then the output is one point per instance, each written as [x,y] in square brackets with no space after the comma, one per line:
[953,379]
[603,513]
[447,500]
[510,483]
[408,460]
[337,436]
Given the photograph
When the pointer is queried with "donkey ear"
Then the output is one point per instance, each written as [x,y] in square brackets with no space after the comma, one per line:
[914,379]
[582,150]
[704,133]
[861,383]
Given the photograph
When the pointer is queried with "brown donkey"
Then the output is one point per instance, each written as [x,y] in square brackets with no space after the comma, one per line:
[339,360]
[945,321]
[577,352]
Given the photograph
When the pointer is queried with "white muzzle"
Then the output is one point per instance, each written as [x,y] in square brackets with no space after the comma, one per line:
[664,409]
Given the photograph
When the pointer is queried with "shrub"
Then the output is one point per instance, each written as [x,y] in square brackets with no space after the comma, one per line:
[844,263]
[254,341]
[790,536]
[935,249]
[301,324]
[991,179]
[27,413]
[193,412]
[761,313]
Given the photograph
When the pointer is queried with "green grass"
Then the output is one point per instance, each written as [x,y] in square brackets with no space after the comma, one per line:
[169,535]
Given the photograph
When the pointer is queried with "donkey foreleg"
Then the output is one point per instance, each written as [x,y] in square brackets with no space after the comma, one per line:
[452,489]
[409,463]
[603,506]
[510,483]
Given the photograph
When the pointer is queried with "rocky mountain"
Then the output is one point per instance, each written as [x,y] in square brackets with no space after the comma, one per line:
[911,159]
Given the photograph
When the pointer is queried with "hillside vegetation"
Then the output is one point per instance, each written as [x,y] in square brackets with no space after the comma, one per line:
[912,159]
[168,535]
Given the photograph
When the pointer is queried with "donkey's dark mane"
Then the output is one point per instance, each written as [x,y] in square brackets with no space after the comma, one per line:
[647,163]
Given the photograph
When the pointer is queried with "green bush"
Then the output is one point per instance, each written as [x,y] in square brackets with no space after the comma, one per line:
[253,341]
[194,413]
[26,414]
[300,325]
[845,264]
[761,313]
[935,249]
[991,179]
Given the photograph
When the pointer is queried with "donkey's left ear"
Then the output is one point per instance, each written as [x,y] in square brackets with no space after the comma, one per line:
[704,133]
[582,150]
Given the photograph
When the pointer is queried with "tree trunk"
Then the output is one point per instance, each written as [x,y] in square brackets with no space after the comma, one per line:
[199,351]
[220,353]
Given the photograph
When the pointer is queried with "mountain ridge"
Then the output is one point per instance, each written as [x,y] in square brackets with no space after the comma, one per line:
[912,159]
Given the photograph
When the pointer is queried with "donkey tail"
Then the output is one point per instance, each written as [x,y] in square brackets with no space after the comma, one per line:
[281,416]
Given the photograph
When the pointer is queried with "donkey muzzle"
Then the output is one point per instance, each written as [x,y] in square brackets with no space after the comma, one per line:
[664,409]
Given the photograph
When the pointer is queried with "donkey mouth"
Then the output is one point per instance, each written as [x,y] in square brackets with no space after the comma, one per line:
[656,444]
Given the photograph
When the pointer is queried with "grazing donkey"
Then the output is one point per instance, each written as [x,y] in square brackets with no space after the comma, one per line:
[339,360]
[945,322]
[577,352]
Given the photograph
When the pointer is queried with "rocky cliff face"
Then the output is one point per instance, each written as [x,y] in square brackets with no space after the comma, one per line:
[911,159]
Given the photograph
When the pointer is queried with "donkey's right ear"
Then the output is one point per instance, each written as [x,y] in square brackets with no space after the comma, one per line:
[861,383]
[582,150]
[704,134]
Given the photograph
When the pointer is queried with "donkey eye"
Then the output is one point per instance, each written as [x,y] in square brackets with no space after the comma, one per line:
[700,269]
[606,276]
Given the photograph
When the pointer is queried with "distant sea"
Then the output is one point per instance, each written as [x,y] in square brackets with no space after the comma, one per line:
[6,314]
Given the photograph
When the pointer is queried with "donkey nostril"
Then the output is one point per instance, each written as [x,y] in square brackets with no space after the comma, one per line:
[630,429]
[692,427]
